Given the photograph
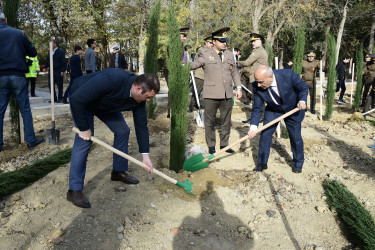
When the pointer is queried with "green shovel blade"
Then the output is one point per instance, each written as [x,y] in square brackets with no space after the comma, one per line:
[187,185]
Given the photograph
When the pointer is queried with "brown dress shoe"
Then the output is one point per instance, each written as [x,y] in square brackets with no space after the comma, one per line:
[124,177]
[76,197]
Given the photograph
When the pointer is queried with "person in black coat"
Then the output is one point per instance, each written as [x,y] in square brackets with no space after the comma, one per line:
[118,59]
[340,71]
[75,69]
[105,94]
[59,67]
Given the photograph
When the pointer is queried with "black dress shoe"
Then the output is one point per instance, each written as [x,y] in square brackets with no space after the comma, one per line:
[231,151]
[65,102]
[313,112]
[211,150]
[76,197]
[124,177]
[190,110]
[168,116]
[297,170]
[260,167]
[35,143]
[247,121]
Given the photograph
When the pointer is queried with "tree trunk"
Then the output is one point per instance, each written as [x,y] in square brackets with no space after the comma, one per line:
[324,52]
[341,30]
[141,51]
[372,34]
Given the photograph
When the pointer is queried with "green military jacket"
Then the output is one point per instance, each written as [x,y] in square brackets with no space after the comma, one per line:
[199,73]
[257,58]
[309,70]
[34,68]
[218,74]
[369,72]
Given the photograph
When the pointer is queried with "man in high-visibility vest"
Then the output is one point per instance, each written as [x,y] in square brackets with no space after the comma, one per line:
[33,64]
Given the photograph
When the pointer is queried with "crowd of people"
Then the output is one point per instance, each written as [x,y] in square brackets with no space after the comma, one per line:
[218,72]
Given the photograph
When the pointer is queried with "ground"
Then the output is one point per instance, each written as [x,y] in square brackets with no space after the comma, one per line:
[232,207]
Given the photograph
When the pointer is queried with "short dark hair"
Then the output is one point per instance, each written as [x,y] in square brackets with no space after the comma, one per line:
[346,57]
[90,41]
[55,42]
[148,82]
[236,49]
[77,48]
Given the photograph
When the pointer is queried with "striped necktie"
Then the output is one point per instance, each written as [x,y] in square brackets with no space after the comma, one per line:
[275,96]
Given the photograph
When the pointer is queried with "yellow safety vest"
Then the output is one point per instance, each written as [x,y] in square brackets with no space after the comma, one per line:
[34,68]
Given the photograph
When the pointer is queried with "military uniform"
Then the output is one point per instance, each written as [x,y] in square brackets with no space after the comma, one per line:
[368,78]
[199,76]
[257,57]
[217,89]
[309,70]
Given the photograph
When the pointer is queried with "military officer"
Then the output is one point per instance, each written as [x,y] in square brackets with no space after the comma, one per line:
[309,69]
[199,74]
[368,76]
[219,70]
[257,57]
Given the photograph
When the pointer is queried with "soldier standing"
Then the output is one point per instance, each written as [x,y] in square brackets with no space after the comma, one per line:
[257,57]
[219,70]
[309,69]
[368,76]
[199,74]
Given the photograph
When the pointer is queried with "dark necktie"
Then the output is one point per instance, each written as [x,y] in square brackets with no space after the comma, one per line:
[220,53]
[275,96]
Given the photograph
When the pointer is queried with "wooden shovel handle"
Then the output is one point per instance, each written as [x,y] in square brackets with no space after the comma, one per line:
[257,131]
[137,162]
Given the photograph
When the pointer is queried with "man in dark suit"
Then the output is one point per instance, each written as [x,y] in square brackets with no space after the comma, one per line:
[59,67]
[282,90]
[105,94]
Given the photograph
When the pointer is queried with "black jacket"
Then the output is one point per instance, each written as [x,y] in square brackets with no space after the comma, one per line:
[122,64]
[340,70]
[59,62]
[104,92]
[14,47]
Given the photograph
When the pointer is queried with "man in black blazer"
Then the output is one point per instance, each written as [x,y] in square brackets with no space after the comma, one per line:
[105,94]
[282,90]
[59,67]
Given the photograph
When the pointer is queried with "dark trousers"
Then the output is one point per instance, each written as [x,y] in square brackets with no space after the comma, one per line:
[210,109]
[32,82]
[246,96]
[341,85]
[366,89]
[88,71]
[58,80]
[193,100]
[116,123]
[296,142]
[312,92]
[66,94]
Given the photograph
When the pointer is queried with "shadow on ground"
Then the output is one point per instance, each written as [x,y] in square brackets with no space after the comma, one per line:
[214,229]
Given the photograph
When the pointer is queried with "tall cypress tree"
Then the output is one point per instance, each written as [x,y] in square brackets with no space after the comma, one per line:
[270,53]
[151,58]
[178,92]
[332,76]
[299,49]
[10,11]
[359,68]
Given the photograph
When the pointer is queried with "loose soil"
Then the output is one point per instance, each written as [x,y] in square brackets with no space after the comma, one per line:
[232,207]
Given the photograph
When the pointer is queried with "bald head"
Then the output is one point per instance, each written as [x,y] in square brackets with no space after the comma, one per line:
[264,76]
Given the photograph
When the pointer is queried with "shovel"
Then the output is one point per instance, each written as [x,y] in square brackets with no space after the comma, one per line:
[199,116]
[52,134]
[187,185]
[198,162]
